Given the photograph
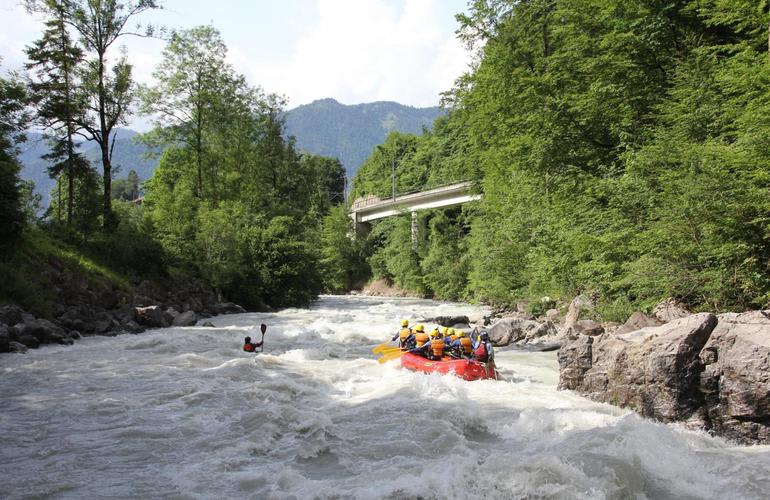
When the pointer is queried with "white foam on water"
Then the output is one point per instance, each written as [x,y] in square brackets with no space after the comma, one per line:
[183,412]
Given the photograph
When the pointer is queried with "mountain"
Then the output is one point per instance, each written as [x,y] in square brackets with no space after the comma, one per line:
[324,127]
[128,155]
[350,132]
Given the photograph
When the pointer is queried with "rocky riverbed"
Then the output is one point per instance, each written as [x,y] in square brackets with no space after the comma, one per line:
[97,307]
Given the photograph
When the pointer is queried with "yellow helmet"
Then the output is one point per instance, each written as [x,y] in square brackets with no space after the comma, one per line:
[451,331]
[460,333]
[419,328]
[404,323]
[434,333]
[444,330]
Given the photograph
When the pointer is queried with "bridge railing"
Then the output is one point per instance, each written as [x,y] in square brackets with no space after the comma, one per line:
[371,200]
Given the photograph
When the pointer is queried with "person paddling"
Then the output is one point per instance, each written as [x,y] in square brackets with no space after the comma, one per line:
[250,346]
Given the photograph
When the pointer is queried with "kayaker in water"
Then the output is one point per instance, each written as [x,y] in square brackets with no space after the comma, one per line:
[248,346]
[404,336]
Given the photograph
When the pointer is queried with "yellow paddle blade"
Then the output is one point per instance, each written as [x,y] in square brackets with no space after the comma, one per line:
[390,355]
[381,348]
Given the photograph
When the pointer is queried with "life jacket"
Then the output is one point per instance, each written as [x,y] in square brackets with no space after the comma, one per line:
[453,337]
[481,353]
[403,334]
[437,346]
[248,347]
[466,344]
[421,338]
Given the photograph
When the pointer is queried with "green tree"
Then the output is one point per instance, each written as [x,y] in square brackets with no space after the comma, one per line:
[55,58]
[13,120]
[108,88]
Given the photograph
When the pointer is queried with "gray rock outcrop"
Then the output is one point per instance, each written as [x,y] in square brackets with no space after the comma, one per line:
[711,372]
[516,329]
[736,379]
[187,318]
[655,370]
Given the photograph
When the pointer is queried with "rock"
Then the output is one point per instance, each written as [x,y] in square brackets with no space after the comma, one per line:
[132,327]
[152,316]
[736,378]
[29,341]
[576,307]
[10,314]
[5,338]
[587,327]
[187,318]
[655,370]
[17,347]
[208,324]
[553,315]
[575,359]
[99,327]
[173,313]
[227,308]
[143,301]
[637,321]
[522,306]
[449,320]
[515,329]
[41,329]
[669,310]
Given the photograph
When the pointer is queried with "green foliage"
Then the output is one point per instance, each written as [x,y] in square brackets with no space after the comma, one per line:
[13,98]
[620,147]
[343,264]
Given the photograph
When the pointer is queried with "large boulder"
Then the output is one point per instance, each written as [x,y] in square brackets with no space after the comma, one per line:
[637,321]
[227,308]
[187,318]
[669,310]
[655,370]
[736,378]
[152,316]
[5,338]
[576,310]
[575,359]
[587,327]
[10,314]
[449,320]
[516,329]
[42,330]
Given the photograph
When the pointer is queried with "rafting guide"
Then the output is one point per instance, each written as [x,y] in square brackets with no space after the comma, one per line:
[250,346]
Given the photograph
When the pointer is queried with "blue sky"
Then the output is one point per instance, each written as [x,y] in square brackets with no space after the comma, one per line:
[352,50]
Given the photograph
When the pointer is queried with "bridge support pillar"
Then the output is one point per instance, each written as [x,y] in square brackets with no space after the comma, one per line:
[414,229]
[358,229]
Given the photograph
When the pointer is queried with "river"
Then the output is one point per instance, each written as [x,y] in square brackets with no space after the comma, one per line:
[184,413]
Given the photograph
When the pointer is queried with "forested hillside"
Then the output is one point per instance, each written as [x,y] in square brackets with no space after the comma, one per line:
[324,127]
[129,154]
[621,150]
[349,132]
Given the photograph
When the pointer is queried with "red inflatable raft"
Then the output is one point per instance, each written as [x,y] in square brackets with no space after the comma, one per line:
[467,369]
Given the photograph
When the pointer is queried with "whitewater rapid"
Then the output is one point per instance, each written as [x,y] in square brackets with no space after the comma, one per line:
[184,413]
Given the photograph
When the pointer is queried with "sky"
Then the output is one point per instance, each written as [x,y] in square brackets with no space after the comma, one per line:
[351,50]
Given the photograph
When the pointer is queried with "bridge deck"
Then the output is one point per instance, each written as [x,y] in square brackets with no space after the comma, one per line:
[372,208]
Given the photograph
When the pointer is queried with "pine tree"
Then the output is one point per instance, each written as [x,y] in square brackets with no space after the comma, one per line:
[55,59]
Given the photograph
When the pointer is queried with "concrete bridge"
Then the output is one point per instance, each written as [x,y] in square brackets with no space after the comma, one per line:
[371,208]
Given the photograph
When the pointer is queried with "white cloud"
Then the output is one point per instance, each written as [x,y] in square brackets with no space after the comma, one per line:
[366,50]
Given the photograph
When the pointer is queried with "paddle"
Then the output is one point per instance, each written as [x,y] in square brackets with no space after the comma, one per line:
[262,327]
[382,348]
[390,355]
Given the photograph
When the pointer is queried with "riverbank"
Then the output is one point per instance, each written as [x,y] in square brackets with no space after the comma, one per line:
[61,295]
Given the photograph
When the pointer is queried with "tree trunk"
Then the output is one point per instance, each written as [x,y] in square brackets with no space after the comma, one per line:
[104,144]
